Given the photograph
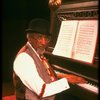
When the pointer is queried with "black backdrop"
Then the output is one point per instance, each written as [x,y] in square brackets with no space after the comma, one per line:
[16,15]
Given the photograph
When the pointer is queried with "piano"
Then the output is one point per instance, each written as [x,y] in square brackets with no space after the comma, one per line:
[87,91]
[87,9]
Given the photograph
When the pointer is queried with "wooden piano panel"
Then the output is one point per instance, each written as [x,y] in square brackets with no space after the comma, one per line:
[86,69]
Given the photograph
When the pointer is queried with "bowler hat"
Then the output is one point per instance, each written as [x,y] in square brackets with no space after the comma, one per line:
[38,25]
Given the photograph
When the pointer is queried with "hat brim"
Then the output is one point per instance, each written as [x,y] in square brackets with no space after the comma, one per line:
[30,31]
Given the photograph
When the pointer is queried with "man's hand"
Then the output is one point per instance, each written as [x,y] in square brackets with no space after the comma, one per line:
[73,79]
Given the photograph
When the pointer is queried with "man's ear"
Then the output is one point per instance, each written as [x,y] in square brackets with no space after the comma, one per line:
[27,36]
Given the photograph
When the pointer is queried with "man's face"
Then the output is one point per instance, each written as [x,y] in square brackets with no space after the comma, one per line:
[40,41]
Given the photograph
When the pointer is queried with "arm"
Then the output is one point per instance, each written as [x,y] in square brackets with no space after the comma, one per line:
[73,79]
[25,68]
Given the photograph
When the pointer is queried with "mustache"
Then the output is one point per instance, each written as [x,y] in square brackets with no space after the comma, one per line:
[41,50]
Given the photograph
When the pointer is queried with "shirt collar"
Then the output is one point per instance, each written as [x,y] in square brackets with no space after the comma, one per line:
[33,49]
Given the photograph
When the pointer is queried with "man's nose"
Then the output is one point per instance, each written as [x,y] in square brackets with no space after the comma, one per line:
[43,41]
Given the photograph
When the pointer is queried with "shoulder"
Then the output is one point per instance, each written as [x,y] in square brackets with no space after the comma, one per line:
[22,60]
[23,57]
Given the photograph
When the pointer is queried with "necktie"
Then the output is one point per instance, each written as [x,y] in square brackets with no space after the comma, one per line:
[49,69]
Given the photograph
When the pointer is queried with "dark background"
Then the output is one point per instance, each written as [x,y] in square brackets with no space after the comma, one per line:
[16,15]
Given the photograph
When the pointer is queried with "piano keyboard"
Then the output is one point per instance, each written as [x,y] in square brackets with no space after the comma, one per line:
[89,87]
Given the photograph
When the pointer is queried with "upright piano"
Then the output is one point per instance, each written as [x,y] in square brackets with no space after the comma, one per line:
[87,9]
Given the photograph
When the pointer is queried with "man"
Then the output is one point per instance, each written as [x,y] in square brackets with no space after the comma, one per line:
[33,77]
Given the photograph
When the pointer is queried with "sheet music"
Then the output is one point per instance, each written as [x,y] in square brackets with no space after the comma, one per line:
[77,39]
[86,40]
[65,39]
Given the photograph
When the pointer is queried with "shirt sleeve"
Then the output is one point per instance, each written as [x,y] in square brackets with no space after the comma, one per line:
[25,68]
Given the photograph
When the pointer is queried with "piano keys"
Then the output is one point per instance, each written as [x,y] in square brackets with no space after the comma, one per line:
[89,86]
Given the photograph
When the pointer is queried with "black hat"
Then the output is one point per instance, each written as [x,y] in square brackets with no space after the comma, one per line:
[38,25]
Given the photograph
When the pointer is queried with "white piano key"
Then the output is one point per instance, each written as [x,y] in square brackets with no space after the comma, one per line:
[89,86]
